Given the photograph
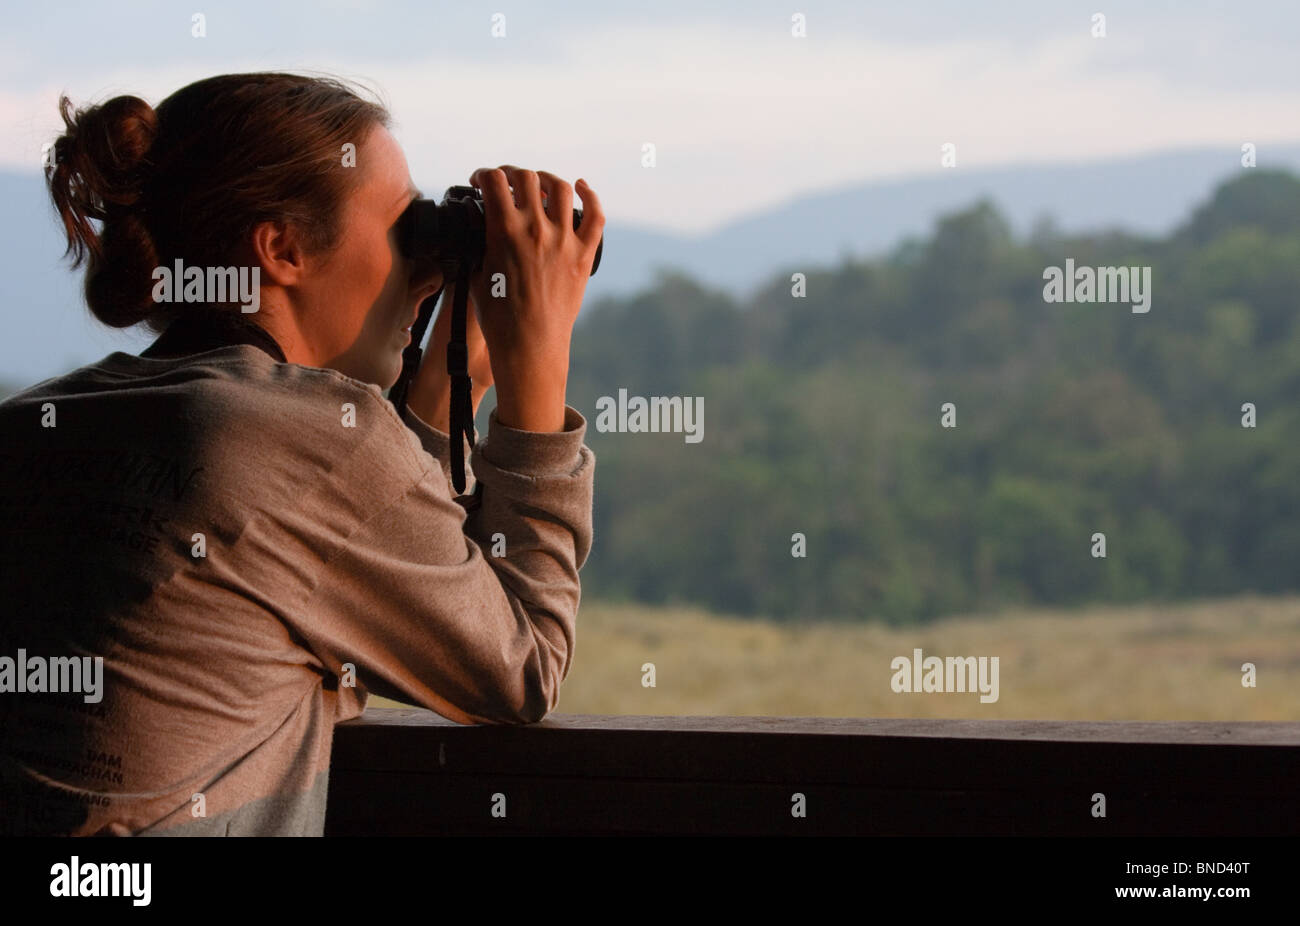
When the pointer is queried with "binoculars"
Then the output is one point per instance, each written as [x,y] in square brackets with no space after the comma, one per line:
[453,232]
[452,235]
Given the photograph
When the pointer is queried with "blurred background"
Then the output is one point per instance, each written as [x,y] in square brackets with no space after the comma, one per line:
[920,165]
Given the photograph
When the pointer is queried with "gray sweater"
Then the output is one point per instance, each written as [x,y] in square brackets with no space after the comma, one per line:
[250,547]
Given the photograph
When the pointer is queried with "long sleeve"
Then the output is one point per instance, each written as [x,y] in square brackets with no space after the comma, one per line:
[257,546]
[437,443]
[467,606]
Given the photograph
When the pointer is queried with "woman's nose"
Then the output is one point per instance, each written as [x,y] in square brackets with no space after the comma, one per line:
[426,280]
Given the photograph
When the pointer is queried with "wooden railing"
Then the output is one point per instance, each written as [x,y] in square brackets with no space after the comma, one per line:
[412,772]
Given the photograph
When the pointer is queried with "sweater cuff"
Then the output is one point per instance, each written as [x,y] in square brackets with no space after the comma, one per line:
[535,453]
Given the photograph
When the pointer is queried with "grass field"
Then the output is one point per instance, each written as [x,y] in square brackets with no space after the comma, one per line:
[1155,662]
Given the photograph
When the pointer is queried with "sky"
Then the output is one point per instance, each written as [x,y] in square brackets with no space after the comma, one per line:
[742,114]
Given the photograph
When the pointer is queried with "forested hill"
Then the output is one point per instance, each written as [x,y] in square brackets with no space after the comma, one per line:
[824,416]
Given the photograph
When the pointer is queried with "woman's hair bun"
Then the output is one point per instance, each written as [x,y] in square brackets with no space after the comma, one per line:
[99,163]
[99,170]
[191,178]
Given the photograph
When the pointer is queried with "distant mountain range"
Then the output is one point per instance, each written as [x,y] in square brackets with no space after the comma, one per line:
[48,329]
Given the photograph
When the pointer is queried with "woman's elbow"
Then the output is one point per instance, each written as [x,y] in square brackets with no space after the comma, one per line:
[523,698]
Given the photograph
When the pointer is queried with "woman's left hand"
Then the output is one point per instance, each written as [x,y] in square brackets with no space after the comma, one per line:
[430,393]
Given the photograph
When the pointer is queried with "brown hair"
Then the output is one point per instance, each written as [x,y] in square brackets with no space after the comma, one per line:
[191,179]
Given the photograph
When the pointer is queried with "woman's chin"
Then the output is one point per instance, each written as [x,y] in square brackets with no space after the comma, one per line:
[393,370]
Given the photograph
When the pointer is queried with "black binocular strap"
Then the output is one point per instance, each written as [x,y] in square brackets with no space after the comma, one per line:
[462,404]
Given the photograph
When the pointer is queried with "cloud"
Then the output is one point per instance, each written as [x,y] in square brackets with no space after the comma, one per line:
[742,116]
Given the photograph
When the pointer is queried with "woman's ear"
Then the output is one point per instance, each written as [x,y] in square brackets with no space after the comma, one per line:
[278,250]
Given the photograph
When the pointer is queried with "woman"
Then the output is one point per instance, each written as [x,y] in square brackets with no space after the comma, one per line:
[214,550]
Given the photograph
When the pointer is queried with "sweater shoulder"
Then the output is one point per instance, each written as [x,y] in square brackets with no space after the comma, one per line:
[234,409]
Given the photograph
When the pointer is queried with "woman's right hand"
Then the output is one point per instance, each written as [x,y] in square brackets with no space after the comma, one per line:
[546,265]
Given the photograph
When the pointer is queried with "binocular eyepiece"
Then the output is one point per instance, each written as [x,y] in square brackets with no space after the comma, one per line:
[454,231]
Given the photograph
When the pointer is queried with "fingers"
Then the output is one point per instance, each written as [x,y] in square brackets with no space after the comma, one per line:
[497,200]
[559,198]
[527,189]
[593,216]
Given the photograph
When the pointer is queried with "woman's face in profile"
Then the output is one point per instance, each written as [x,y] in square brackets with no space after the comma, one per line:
[358,300]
